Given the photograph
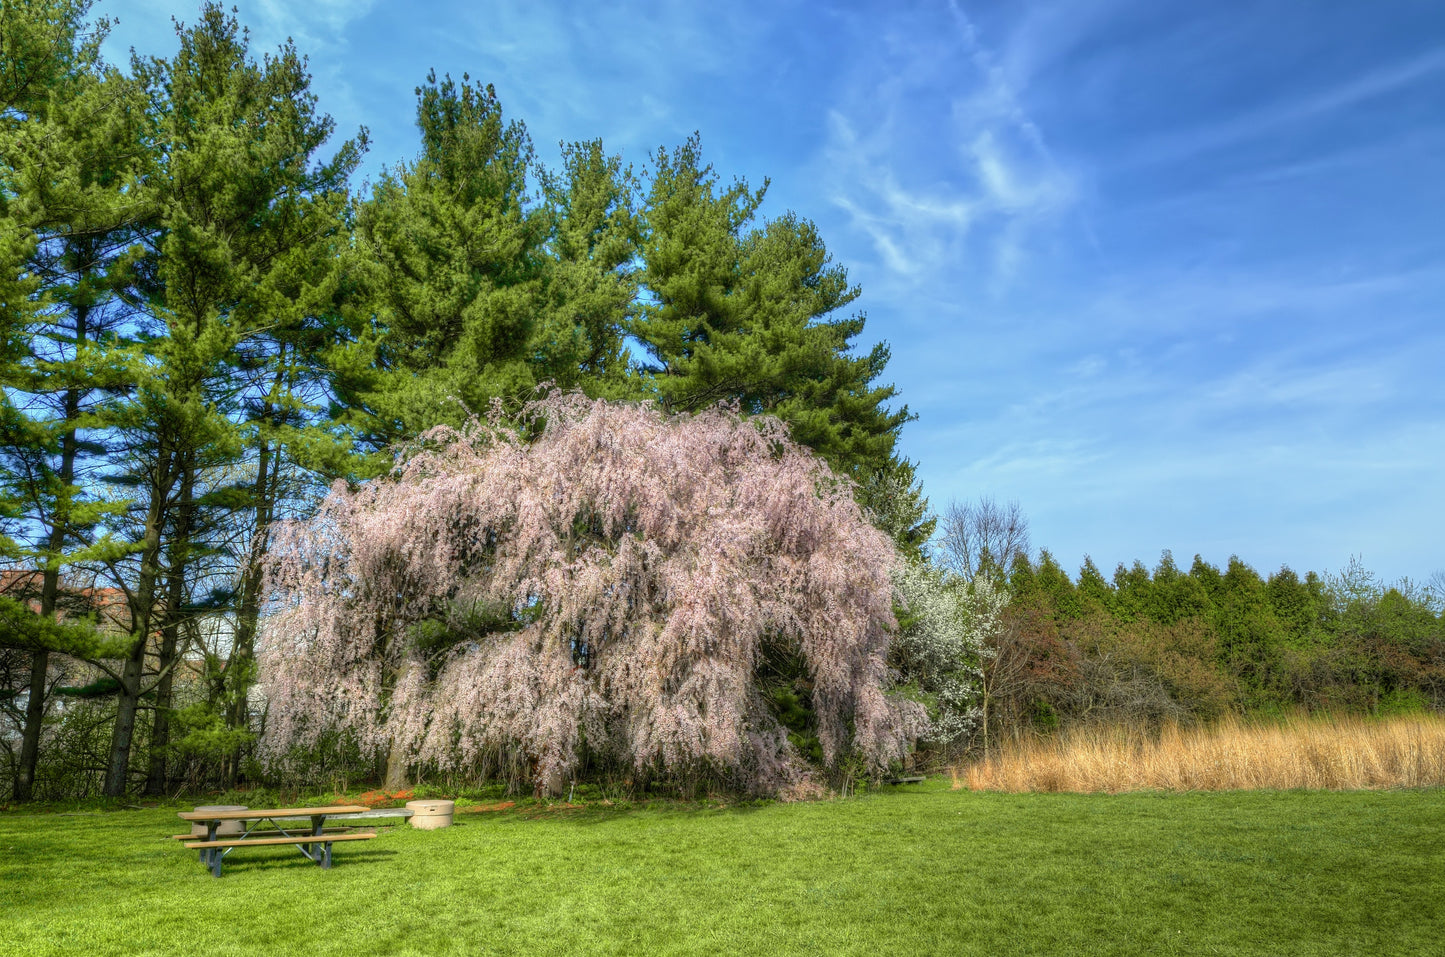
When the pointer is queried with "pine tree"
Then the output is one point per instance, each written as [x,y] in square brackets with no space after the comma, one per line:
[1133,592]
[240,264]
[469,288]
[1250,636]
[1176,596]
[589,278]
[449,273]
[735,311]
[73,163]
[893,499]
[1094,590]
[1300,606]
[1054,583]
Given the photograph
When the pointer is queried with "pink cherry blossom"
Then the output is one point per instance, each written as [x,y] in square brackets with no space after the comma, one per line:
[611,586]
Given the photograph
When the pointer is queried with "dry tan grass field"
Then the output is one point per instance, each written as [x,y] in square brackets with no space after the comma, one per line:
[1323,753]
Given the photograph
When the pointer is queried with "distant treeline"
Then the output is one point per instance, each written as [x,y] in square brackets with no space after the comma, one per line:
[1189,645]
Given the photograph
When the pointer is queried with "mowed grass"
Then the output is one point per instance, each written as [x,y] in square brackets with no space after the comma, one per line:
[1334,752]
[909,870]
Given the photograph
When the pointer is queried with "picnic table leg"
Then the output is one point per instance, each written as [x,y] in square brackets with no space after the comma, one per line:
[314,852]
[211,827]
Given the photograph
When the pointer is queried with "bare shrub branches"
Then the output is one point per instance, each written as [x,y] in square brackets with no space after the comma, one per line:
[982,534]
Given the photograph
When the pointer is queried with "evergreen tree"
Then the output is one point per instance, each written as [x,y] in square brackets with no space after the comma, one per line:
[72,165]
[589,280]
[1176,596]
[1054,584]
[450,269]
[1094,590]
[1300,606]
[1208,577]
[893,499]
[1250,636]
[1023,583]
[745,313]
[1133,592]
[246,227]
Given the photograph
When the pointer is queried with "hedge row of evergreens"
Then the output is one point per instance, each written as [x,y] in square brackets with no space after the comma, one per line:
[1191,644]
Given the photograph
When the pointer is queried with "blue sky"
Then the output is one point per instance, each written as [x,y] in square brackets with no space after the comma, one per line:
[1168,274]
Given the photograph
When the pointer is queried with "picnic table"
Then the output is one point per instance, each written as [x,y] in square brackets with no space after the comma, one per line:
[313,840]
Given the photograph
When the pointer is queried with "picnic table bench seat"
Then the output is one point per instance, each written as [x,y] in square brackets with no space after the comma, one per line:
[319,844]
[188,836]
[287,839]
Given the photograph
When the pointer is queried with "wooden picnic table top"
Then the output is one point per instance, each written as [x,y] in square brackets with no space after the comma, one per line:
[255,814]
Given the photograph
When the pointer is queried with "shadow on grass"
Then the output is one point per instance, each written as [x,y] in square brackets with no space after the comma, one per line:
[594,813]
[294,863]
[492,804]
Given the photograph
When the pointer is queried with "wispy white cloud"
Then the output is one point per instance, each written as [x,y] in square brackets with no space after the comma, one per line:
[1270,119]
[315,26]
[615,71]
[997,95]
[319,29]
[941,185]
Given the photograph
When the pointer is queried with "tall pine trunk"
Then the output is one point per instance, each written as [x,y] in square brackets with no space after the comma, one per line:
[49,590]
[34,723]
[241,667]
[170,633]
[156,778]
[142,612]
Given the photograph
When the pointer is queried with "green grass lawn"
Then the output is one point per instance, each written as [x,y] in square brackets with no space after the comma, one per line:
[907,870]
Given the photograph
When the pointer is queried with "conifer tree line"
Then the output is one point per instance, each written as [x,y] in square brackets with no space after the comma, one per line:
[1002,643]
[205,321]
[1144,647]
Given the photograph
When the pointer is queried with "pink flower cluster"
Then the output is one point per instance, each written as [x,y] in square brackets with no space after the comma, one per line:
[618,579]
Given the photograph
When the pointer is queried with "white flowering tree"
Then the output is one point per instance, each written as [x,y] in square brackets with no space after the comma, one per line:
[611,588]
[944,646]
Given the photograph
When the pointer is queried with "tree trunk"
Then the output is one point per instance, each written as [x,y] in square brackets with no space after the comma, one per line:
[987,716]
[175,598]
[398,760]
[156,779]
[240,669]
[118,766]
[34,719]
[50,589]
[170,632]
[396,768]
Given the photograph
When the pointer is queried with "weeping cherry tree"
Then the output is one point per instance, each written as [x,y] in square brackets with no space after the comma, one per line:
[599,582]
